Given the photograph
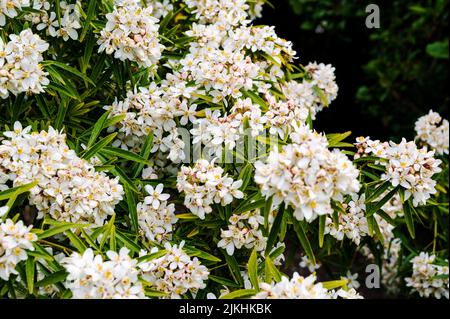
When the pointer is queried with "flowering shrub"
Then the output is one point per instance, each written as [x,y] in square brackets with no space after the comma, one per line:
[166,149]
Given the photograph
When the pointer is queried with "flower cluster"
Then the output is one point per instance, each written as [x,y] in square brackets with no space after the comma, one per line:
[306,175]
[175,273]
[15,239]
[428,278]
[225,13]
[131,33]
[243,231]
[155,216]
[20,70]
[299,287]
[434,131]
[406,165]
[149,110]
[11,8]
[204,184]
[219,134]
[90,277]
[45,17]
[68,187]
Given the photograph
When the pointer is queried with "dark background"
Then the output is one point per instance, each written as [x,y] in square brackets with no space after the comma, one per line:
[348,46]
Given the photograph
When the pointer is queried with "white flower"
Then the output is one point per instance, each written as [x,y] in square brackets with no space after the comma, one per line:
[307,263]
[299,287]
[68,187]
[434,131]
[90,277]
[243,231]
[3,210]
[155,215]
[306,175]
[11,8]
[428,278]
[19,60]
[131,33]
[174,273]
[155,195]
[352,281]
[15,240]
[205,184]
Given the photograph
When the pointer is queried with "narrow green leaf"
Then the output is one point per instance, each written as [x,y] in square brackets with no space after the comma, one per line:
[30,269]
[68,68]
[271,241]
[98,127]
[239,294]
[91,151]
[408,212]
[52,279]
[301,234]
[252,268]
[322,219]
[115,151]
[131,202]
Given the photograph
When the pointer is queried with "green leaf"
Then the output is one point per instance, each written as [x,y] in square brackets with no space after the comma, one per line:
[252,268]
[68,68]
[250,206]
[271,271]
[123,238]
[271,241]
[333,284]
[76,241]
[60,229]
[408,212]
[379,191]
[233,266]
[107,231]
[322,219]
[131,202]
[267,211]
[6,194]
[195,252]
[223,281]
[114,151]
[372,209]
[257,99]
[145,153]
[301,234]
[438,50]
[245,175]
[89,17]
[94,149]
[334,139]
[30,269]
[54,278]
[240,294]
[149,257]
[98,127]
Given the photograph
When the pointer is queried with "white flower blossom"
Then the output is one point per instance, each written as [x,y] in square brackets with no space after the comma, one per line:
[175,273]
[204,184]
[428,278]
[19,61]
[434,131]
[131,33]
[91,277]
[15,240]
[306,175]
[68,187]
